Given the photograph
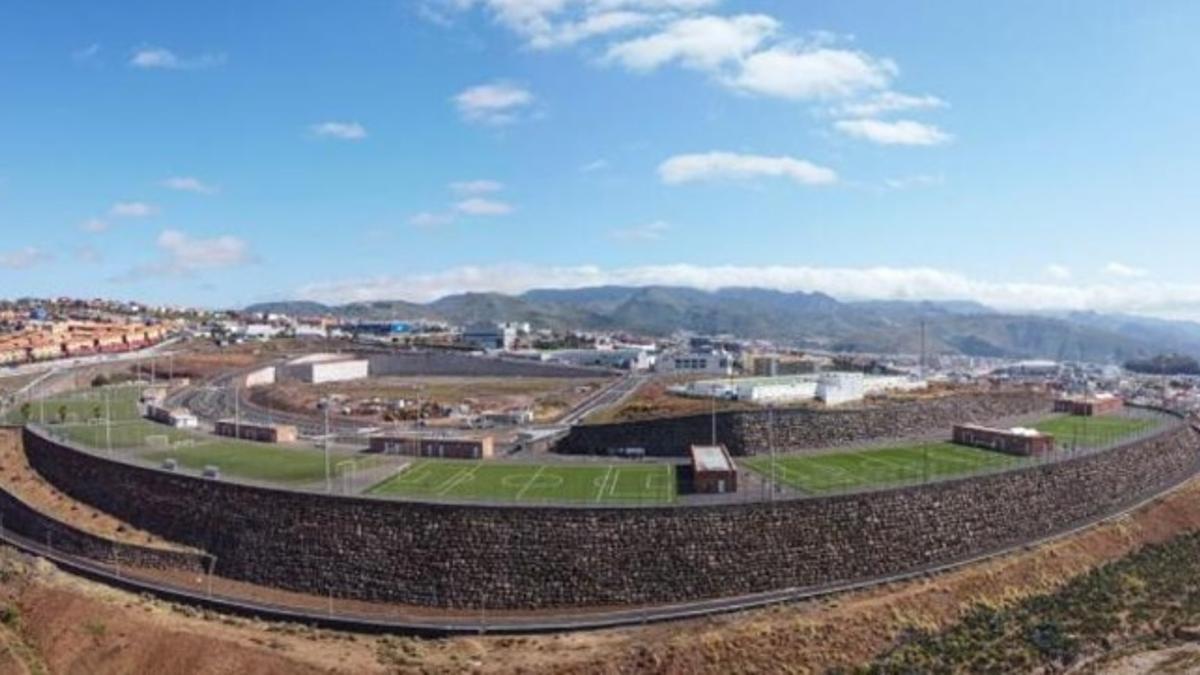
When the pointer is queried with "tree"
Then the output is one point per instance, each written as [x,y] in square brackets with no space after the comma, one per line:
[26,411]
[62,414]
[96,412]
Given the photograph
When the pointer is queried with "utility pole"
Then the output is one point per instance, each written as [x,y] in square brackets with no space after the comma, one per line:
[237,411]
[922,361]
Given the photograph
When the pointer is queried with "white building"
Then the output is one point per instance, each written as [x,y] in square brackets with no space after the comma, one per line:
[717,362]
[629,359]
[831,388]
[317,372]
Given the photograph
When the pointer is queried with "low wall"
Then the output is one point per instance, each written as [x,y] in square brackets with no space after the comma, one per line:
[529,557]
[746,433]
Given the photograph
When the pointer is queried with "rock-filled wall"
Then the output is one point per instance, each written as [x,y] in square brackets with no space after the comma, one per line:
[17,517]
[746,433]
[533,557]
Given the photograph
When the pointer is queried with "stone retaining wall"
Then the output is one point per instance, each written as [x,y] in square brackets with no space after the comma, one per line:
[507,557]
[746,433]
[20,518]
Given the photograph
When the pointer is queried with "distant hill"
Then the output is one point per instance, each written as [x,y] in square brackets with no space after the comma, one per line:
[805,319]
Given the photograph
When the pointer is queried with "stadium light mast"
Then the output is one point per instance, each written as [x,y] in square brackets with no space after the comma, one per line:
[328,479]
[108,422]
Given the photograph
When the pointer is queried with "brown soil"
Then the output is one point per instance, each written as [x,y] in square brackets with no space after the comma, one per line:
[55,623]
[550,397]
[19,479]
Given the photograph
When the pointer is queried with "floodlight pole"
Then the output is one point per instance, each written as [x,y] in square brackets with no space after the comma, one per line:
[328,479]
[107,422]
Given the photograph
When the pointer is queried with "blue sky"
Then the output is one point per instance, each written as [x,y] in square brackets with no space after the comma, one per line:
[1025,154]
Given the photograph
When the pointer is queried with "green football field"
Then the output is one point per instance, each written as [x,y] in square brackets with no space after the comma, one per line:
[1092,432]
[836,471]
[119,402]
[510,482]
[264,462]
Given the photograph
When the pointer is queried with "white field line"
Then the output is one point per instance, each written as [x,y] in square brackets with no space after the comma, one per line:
[529,482]
[604,483]
[460,477]
[612,488]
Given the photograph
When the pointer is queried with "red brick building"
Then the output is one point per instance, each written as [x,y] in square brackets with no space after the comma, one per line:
[1015,441]
[263,433]
[1090,406]
[482,447]
[713,472]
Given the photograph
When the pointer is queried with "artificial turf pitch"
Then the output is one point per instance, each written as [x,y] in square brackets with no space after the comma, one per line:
[533,483]
[852,469]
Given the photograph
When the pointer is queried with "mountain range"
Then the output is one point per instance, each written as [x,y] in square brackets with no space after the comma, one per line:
[812,320]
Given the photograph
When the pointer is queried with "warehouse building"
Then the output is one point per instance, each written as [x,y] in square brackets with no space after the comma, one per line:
[713,471]
[482,447]
[262,433]
[1015,441]
[830,388]
[624,359]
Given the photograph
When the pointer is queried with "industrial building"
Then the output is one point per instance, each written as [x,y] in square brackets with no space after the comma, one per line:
[830,388]
[713,472]
[624,359]
[717,362]
[482,447]
[490,336]
[1089,406]
[1015,441]
[776,365]
[262,433]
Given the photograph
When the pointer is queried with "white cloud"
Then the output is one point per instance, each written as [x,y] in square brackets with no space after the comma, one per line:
[811,73]
[181,255]
[86,54]
[188,184]
[24,258]
[899,132]
[431,219]
[132,210]
[703,43]
[477,206]
[594,165]
[344,131]
[94,225]
[652,231]
[848,283]
[165,59]
[889,102]
[88,254]
[732,166]
[495,103]
[476,187]
[1124,271]
[915,181]
[1058,272]
[589,27]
